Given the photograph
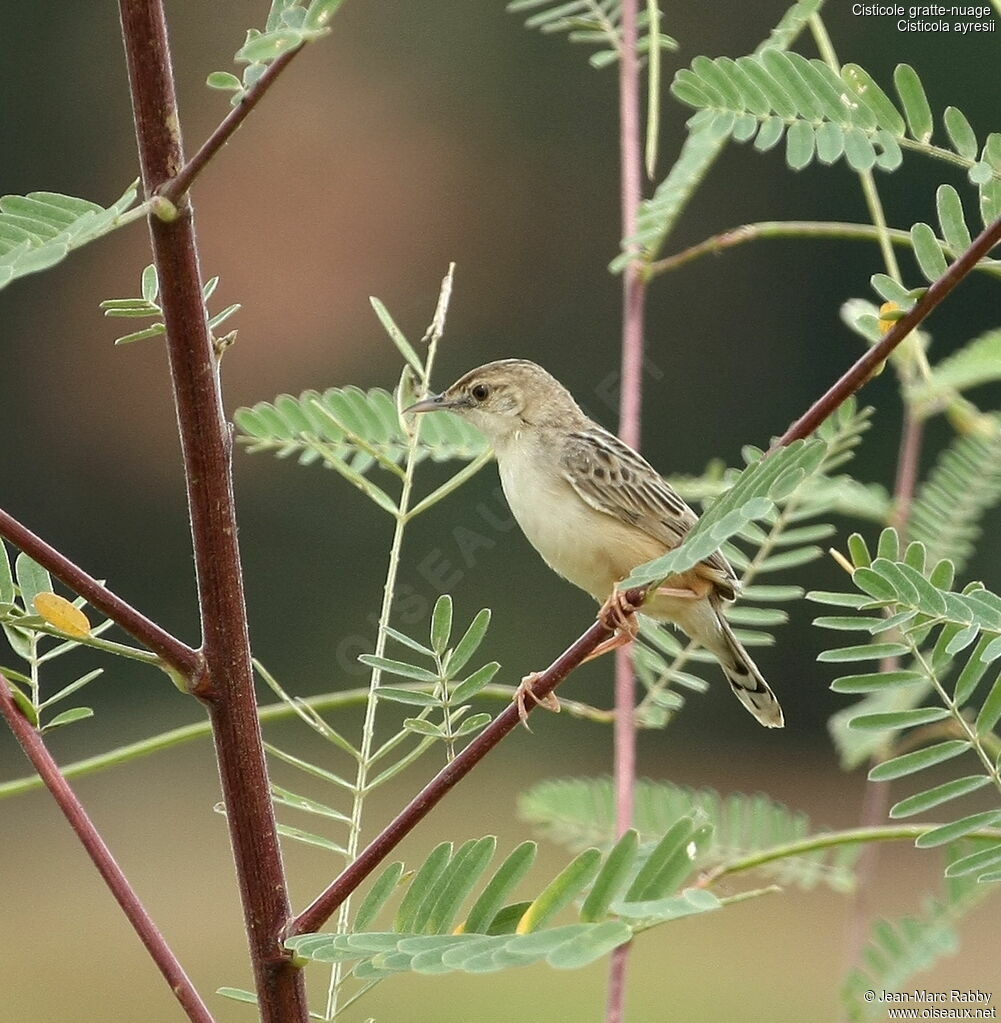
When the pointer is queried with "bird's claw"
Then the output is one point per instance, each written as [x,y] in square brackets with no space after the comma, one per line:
[526,689]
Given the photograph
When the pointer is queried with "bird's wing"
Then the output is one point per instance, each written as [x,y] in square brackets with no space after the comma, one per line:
[615,480]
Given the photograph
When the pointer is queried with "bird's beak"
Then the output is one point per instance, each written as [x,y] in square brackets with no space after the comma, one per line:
[430,404]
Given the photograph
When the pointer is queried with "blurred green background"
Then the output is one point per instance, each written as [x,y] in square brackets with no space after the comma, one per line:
[415,135]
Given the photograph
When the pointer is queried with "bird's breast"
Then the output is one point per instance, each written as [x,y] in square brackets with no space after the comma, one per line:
[587,547]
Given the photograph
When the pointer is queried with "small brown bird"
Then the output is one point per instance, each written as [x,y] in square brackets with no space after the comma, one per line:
[595,510]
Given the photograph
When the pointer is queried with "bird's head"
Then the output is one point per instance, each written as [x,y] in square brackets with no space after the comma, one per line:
[503,398]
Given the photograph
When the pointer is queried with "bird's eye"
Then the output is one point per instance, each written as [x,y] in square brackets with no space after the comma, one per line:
[480,392]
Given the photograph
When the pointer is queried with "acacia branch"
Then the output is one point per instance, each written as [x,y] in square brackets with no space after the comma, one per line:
[206,446]
[179,184]
[37,753]
[860,372]
[168,648]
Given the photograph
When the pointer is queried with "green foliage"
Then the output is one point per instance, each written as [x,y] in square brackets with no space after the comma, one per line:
[578,812]
[35,641]
[353,431]
[898,949]
[39,229]
[617,895]
[595,23]
[905,602]
[440,689]
[147,306]
[964,484]
[657,215]
[290,24]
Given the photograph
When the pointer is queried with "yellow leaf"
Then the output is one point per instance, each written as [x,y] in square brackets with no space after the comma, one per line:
[62,615]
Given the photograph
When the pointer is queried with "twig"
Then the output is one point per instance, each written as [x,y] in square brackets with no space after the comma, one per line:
[327,903]
[168,648]
[176,186]
[630,408]
[794,229]
[857,375]
[36,751]
[206,445]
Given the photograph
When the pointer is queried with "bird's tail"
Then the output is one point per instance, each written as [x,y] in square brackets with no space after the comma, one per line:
[745,680]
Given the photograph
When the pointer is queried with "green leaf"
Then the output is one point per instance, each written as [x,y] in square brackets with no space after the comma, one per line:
[461,879]
[928,251]
[377,896]
[225,81]
[470,642]
[961,134]
[990,712]
[947,833]
[6,577]
[411,697]
[939,794]
[611,877]
[265,47]
[473,684]
[397,337]
[865,652]
[500,886]
[688,903]
[308,838]
[915,103]
[286,798]
[401,668]
[893,720]
[799,145]
[67,717]
[39,229]
[909,763]
[561,891]
[422,727]
[665,869]
[420,886]
[591,944]
[876,681]
[441,623]
[974,862]
[32,579]
[150,284]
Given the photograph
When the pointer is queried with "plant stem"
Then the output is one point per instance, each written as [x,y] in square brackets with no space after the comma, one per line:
[271,712]
[228,688]
[630,410]
[368,728]
[860,372]
[814,843]
[169,649]
[179,184]
[36,751]
[797,229]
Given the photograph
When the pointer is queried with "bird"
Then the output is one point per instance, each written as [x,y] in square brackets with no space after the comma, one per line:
[595,509]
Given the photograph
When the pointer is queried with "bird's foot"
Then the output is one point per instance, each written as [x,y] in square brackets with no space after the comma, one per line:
[618,613]
[527,689]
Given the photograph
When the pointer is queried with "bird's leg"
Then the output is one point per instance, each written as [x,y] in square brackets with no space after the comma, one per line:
[619,615]
[681,594]
[527,689]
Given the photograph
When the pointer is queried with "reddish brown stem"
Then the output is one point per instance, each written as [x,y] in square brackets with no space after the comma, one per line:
[630,409]
[170,649]
[34,749]
[206,447]
[182,180]
[859,373]
[327,903]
